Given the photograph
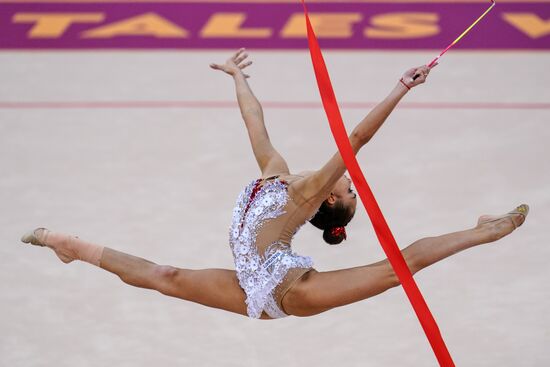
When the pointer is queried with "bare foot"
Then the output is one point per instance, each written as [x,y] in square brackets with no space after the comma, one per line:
[502,225]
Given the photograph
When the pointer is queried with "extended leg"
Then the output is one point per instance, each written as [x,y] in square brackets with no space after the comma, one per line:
[218,288]
[317,292]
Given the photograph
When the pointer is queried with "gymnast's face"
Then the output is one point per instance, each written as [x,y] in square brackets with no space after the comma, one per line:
[344,193]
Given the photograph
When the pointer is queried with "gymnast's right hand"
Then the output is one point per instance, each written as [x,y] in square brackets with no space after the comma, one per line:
[235,64]
[416,76]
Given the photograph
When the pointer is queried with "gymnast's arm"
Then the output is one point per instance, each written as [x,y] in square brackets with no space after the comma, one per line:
[269,160]
[323,180]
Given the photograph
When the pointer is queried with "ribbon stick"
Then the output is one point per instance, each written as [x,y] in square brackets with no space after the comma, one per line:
[379,223]
[463,34]
[434,61]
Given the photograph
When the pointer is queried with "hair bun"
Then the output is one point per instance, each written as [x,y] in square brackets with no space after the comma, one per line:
[334,235]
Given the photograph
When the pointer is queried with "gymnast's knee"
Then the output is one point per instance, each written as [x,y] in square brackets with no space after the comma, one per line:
[391,280]
[167,278]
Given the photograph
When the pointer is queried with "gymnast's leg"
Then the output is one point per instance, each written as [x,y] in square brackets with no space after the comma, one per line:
[317,292]
[218,288]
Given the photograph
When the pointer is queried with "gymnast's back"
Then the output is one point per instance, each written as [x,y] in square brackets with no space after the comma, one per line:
[268,213]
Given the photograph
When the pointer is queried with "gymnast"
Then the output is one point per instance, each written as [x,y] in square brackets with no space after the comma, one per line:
[270,280]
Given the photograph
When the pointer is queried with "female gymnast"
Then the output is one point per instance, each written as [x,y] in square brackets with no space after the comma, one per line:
[270,281]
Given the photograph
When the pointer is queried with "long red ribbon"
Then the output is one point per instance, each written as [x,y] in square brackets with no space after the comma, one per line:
[379,223]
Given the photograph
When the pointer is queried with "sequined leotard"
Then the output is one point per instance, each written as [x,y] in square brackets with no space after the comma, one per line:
[266,217]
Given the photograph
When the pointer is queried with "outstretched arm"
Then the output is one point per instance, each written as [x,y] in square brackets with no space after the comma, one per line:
[269,160]
[366,129]
[324,179]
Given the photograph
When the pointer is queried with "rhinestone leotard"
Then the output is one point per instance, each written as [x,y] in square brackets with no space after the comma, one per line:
[265,219]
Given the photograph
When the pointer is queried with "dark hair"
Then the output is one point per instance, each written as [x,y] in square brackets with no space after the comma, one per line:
[330,218]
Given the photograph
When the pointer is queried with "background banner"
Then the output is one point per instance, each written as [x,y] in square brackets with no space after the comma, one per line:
[204,25]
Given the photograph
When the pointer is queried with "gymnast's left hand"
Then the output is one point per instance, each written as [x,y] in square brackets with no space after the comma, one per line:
[235,64]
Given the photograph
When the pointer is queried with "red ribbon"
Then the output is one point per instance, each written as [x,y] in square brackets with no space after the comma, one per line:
[379,223]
